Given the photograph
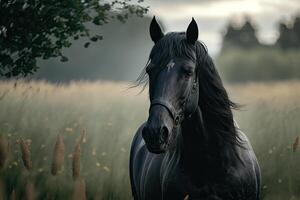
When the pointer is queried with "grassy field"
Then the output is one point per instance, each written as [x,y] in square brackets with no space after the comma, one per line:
[100,118]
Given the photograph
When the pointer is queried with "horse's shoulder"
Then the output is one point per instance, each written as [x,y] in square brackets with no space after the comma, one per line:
[137,141]
[136,164]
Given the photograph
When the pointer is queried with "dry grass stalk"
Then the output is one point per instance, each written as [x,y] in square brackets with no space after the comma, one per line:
[296,144]
[83,136]
[76,161]
[58,155]
[4,149]
[79,192]
[26,154]
[29,191]
[98,196]
[13,195]
[2,190]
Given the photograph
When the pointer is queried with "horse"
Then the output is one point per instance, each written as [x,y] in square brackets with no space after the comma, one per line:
[190,147]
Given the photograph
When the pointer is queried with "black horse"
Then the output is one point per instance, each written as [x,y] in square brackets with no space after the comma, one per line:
[190,147]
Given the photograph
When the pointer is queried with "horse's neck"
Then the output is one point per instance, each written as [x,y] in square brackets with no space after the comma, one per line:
[196,141]
[199,152]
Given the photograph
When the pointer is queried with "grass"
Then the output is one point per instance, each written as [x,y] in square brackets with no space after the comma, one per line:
[110,114]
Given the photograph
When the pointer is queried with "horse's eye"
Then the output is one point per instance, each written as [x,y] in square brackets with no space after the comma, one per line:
[187,73]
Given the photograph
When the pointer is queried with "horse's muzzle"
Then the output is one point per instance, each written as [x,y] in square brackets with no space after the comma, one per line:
[156,132]
[156,141]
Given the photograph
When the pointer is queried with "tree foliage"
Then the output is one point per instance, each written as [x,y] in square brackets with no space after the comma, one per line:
[289,34]
[241,36]
[31,29]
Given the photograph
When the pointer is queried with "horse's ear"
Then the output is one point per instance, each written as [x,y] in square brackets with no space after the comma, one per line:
[192,32]
[155,31]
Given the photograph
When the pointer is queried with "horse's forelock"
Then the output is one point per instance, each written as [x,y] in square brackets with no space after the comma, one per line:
[172,45]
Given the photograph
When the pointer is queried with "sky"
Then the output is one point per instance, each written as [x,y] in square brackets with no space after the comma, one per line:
[213,15]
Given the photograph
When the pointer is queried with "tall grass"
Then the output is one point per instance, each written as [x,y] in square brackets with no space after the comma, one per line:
[94,123]
[37,112]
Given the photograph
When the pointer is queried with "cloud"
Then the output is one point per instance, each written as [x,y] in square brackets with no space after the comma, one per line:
[221,8]
[213,15]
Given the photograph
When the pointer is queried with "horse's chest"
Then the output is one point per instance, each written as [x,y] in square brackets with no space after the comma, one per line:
[163,183]
[174,184]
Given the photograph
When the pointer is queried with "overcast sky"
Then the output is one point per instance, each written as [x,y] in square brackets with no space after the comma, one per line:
[212,16]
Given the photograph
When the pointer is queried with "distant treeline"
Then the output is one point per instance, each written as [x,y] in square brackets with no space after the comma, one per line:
[243,58]
[245,36]
[259,64]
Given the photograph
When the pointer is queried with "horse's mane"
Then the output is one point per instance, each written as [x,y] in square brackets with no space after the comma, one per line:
[216,108]
[214,102]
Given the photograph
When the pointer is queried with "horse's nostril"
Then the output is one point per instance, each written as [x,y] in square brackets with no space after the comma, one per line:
[177,118]
[164,131]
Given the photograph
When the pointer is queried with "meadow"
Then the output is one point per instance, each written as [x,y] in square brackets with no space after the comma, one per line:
[78,137]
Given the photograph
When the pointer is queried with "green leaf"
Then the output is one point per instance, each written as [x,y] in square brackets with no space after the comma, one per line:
[87,44]
[94,39]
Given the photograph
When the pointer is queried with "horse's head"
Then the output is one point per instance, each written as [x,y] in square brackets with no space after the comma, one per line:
[173,84]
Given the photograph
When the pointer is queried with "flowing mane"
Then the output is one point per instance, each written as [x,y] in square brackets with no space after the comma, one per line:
[216,108]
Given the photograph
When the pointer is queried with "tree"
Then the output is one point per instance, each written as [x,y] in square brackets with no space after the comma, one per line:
[243,36]
[31,29]
[289,34]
